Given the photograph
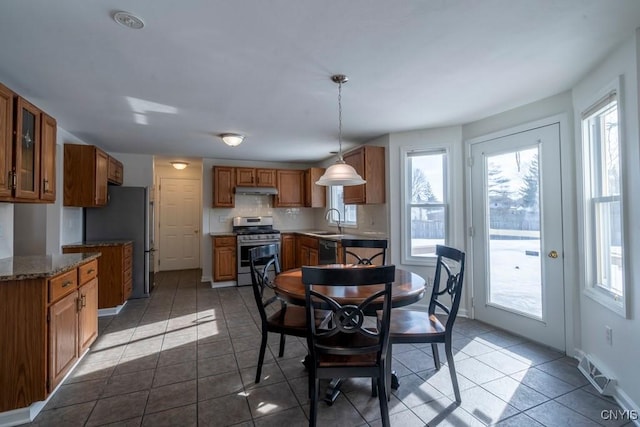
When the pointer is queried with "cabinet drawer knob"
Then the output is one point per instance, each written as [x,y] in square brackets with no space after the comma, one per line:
[91,270]
[67,283]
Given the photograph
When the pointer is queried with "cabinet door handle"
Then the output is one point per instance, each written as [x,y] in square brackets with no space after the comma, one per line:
[84,300]
[14,180]
[67,283]
[78,304]
[45,184]
[91,270]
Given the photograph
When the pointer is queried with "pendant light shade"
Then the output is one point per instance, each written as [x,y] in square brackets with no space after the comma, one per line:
[340,173]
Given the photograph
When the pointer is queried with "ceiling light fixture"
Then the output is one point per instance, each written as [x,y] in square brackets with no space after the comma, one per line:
[128,20]
[232,139]
[340,173]
[179,165]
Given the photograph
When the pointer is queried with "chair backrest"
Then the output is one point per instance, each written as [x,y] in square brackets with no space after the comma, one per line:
[451,261]
[350,256]
[345,331]
[265,265]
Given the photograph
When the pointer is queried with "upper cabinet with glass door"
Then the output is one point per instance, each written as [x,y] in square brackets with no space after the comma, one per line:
[27,145]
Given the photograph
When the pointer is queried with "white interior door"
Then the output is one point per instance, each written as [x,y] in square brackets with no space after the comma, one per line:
[179,224]
[517,245]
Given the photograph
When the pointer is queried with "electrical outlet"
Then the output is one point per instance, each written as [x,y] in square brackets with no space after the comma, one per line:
[609,335]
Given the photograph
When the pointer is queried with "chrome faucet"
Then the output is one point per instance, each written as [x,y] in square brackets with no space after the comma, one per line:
[326,217]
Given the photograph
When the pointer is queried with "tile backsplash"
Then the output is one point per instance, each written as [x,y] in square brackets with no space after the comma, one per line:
[371,218]
[251,205]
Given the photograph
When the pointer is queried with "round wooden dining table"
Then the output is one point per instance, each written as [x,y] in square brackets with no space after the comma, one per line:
[407,288]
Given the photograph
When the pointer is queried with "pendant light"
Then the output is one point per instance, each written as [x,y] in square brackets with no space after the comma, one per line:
[340,173]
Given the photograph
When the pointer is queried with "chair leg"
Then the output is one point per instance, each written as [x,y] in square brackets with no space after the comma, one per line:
[313,409]
[263,348]
[282,340]
[383,398]
[436,355]
[374,388]
[452,371]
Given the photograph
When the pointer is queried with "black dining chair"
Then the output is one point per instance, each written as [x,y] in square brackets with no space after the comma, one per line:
[350,254]
[287,319]
[345,346]
[411,326]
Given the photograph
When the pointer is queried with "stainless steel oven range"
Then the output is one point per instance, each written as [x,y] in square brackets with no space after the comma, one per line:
[250,233]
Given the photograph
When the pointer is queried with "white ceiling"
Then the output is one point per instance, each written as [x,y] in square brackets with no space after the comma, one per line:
[262,68]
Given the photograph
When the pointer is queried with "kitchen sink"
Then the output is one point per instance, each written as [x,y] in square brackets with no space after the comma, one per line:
[323,233]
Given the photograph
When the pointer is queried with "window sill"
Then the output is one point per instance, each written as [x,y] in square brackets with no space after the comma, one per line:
[607,300]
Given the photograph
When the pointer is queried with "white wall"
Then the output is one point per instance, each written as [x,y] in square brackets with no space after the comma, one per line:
[621,358]
[6,230]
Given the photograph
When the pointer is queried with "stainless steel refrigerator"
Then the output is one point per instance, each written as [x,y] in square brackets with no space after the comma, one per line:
[128,215]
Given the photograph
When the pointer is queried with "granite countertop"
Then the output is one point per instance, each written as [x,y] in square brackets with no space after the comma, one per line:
[334,236]
[40,266]
[321,234]
[92,243]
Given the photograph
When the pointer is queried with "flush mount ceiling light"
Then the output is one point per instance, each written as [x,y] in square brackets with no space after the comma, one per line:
[179,165]
[129,20]
[232,139]
[340,173]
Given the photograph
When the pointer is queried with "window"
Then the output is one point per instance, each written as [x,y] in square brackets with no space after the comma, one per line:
[348,213]
[604,254]
[426,203]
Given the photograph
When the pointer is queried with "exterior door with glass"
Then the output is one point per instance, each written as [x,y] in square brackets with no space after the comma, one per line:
[516,195]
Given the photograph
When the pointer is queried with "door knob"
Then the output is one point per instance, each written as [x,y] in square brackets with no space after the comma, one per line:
[553,254]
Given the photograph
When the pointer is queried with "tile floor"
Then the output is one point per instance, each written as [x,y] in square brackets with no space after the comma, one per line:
[187,356]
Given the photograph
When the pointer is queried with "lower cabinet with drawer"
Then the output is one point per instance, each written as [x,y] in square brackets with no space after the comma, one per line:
[46,324]
[224,258]
[115,270]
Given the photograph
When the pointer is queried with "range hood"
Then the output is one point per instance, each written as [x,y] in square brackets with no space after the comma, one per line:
[259,191]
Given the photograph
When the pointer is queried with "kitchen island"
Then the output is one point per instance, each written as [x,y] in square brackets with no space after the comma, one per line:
[48,320]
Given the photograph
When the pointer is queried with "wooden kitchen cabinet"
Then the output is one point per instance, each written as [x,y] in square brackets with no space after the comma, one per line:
[114,270]
[288,251]
[6,142]
[224,181]
[26,166]
[44,320]
[224,258]
[49,129]
[315,196]
[27,151]
[369,162]
[88,303]
[115,171]
[85,176]
[290,184]
[307,251]
[254,177]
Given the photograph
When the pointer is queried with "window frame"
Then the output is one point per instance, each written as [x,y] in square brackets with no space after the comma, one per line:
[406,205]
[343,214]
[591,201]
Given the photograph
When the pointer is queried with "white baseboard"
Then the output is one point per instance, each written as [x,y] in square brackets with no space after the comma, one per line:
[111,311]
[228,284]
[207,279]
[19,416]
